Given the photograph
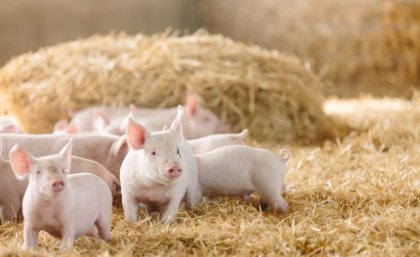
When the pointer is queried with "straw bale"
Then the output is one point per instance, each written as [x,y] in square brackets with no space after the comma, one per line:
[350,197]
[274,95]
[360,46]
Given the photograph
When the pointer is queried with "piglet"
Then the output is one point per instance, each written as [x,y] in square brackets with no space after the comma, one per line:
[82,165]
[241,170]
[155,171]
[197,121]
[65,206]
[12,189]
[8,124]
[208,143]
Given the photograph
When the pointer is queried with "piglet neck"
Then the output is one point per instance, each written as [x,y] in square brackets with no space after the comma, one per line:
[200,165]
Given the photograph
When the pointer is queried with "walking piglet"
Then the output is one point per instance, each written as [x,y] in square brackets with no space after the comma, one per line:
[241,170]
[65,206]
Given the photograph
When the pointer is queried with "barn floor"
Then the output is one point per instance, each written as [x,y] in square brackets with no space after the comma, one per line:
[357,196]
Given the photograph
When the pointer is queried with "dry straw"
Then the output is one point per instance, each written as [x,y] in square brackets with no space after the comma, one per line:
[359,45]
[358,196]
[274,95]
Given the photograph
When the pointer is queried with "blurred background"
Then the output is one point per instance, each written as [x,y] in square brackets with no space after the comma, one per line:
[355,46]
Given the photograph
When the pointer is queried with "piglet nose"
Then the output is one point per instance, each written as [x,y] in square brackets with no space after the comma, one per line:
[57,185]
[173,171]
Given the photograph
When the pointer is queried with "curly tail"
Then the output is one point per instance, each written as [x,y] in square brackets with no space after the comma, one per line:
[285,154]
[243,134]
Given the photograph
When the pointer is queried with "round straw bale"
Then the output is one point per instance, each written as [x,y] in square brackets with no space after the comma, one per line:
[361,46]
[274,95]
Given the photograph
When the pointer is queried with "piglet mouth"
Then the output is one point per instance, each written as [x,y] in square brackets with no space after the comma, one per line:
[57,190]
[172,176]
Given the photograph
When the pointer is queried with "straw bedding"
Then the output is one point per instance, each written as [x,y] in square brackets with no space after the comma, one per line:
[360,45]
[353,197]
[273,95]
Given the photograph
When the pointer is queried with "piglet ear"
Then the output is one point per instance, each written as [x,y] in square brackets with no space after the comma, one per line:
[119,145]
[60,125]
[10,128]
[71,128]
[65,155]
[176,125]
[137,135]
[100,121]
[192,104]
[133,109]
[21,161]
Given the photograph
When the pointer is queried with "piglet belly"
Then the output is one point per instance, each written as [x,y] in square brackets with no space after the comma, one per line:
[54,231]
[226,187]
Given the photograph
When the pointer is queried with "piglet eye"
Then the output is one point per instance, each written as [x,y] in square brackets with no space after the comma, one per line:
[177,151]
[38,172]
[154,153]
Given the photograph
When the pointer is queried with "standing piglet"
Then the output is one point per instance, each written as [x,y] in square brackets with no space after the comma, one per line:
[65,206]
[155,171]
[241,170]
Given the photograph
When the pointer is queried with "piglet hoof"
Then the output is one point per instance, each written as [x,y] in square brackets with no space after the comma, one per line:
[262,206]
[246,198]
[167,221]
[25,247]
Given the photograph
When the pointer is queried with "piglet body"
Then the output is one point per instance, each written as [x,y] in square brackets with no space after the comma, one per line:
[208,143]
[241,170]
[11,191]
[65,206]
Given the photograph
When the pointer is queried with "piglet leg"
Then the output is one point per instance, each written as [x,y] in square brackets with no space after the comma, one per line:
[170,211]
[68,235]
[130,208]
[30,237]
[103,226]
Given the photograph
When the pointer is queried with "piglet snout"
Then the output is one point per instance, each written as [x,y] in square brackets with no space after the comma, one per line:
[57,185]
[173,171]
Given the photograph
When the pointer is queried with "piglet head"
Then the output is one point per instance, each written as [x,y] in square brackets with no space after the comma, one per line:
[63,127]
[162,156]
[117,126]
[47,174]
[9,128]
[200,122]
[100,121]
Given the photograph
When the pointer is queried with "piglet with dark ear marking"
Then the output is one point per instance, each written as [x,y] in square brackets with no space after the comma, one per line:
[65,206]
